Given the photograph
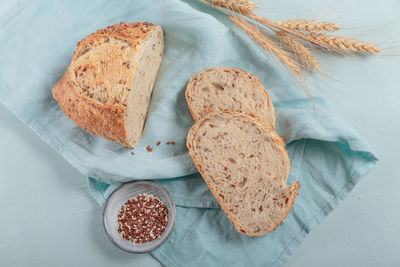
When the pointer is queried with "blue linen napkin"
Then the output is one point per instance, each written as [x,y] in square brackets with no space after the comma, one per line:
[37,41]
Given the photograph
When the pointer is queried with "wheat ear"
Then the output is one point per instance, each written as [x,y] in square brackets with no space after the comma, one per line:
[275,26]
[302,53]
[309,25]
[347,44]
[266,44]
[238,6]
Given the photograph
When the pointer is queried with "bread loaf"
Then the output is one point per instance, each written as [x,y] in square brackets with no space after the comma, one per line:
[221,88]
[108,85]
[246,167]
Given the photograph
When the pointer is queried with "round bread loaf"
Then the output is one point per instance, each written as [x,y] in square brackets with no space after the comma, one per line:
[108,85]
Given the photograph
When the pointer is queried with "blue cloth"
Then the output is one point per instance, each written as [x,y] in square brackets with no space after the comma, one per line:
[37,40]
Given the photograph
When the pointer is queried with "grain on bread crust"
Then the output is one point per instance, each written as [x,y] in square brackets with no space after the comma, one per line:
[104,120]
[95,92]
[132,33]
[225,88]
[246,166]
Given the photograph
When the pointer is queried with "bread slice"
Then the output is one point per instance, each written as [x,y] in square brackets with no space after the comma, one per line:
[246,167]
[108,85]
[221,88]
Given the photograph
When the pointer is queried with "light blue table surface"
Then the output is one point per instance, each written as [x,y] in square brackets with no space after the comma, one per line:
[48,218]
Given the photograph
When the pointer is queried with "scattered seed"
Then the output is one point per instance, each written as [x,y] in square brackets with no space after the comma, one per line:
[219,86]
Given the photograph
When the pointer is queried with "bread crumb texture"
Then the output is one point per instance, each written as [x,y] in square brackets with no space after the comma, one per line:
[224,88]
[246,167]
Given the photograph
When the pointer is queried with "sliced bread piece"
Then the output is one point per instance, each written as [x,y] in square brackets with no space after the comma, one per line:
[221,88]
[246,167]
[107,87]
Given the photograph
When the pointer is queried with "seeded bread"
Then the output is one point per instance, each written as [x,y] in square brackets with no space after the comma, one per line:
[221,88]
[108,85]
[246,167]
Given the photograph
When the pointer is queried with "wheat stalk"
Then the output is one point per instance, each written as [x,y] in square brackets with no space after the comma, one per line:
[238,6]
[303,53]
[275,26]
[309,25]
[292,34]
[347,44]
[267,44]
[330,43]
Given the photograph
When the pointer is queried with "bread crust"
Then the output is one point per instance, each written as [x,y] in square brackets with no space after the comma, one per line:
[276,138]
[96,118]
[198,76]
[132,33]
[105,120]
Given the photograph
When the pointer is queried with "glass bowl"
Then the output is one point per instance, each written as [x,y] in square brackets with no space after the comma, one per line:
[118,198]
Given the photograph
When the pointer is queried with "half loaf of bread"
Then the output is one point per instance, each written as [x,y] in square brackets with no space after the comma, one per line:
[246,167]
[222,88]
[108,85]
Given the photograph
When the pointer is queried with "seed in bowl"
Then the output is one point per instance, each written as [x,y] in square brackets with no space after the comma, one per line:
[142,219]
